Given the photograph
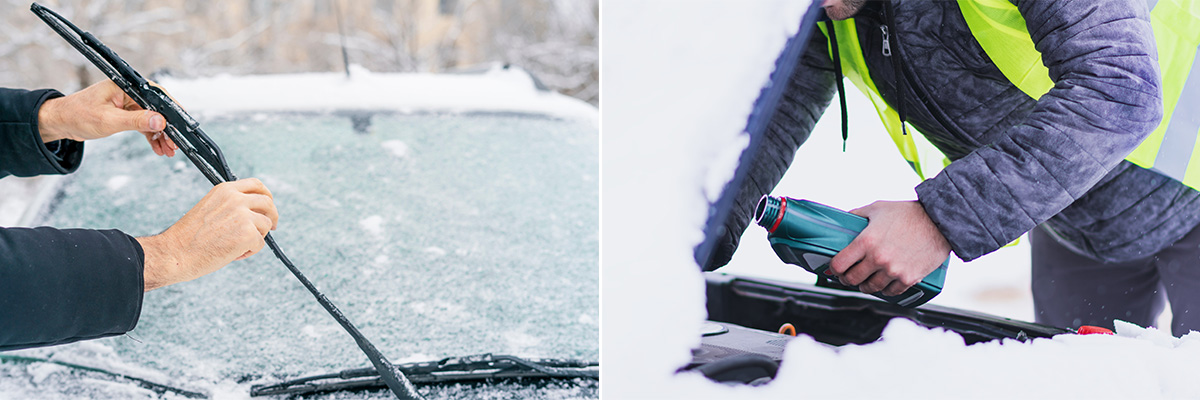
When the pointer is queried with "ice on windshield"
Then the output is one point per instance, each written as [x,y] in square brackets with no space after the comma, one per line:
[437,235]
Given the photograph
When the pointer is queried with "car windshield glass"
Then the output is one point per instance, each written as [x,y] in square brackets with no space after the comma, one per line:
[436,234]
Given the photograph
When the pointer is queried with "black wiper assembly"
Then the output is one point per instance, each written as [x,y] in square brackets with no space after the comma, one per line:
[483,367]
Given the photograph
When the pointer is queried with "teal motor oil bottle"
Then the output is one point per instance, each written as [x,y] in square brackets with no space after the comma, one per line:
[809,234]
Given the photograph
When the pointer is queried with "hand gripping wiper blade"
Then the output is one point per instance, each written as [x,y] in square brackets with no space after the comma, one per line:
[207,157]
[181,128]
[483,367]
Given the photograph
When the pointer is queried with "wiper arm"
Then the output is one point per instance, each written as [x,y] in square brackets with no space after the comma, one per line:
[481,367]
[186,133]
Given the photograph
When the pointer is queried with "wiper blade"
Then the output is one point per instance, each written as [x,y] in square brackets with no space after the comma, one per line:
[159,388]
[181,127]
[482,367]
[186,133]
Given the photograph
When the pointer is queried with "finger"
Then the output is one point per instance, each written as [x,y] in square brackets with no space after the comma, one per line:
[253,243]
[265,206]
[107,89]
[167,145]
[262,223]
[164,90]
[859,273]
[123,100]
[257,246]
[251,185]
[895,288]
[141,120]
[159,142]
[147,120]
[852,254]
[154,144]
[876,282]
[864,211]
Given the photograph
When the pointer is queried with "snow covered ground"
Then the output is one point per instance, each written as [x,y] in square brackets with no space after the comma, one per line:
[679,82]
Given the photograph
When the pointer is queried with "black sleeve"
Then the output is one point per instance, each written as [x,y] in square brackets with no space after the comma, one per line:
[61,286]
[58,286]
[22,152]
[809,91]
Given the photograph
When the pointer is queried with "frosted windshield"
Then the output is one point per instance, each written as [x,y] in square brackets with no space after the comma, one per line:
[437,235]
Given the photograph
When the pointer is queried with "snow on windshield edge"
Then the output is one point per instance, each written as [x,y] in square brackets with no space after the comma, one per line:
[499,89]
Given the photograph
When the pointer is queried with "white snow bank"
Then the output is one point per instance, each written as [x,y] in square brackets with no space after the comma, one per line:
[496,90]
[677,90]
[678,85]
[911,360]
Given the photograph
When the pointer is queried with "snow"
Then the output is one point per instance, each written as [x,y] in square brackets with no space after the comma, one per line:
[39,372]
[519,341]
[398,148]
[586,319]
[435,251]
[659,138]
[498,89]
[1136,363]
[372,224]
[676,100]
[117,182]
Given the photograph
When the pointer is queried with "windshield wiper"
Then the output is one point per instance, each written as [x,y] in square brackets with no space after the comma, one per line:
[159,388]
[483,367]
[186,133]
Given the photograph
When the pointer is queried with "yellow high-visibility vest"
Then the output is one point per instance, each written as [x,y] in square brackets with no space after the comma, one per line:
[1172,149]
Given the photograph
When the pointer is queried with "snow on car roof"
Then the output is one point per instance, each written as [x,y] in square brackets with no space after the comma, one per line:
[498,89]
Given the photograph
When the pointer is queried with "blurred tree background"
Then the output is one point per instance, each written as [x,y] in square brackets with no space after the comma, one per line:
[556,40]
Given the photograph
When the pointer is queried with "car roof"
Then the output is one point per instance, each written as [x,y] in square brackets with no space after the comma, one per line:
[498,88]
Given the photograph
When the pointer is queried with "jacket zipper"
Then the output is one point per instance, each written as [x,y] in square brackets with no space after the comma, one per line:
[887,44]
[935,111]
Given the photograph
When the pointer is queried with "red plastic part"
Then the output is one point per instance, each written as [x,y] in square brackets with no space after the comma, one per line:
[782,209]
[1093,330]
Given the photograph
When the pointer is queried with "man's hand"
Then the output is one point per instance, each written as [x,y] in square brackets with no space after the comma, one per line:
[100,111]
[899,247]
[228,224]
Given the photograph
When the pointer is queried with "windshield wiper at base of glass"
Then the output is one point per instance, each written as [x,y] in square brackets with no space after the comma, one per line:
[480,367]
[156,387]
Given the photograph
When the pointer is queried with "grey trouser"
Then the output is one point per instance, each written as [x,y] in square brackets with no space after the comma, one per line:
[1070,290]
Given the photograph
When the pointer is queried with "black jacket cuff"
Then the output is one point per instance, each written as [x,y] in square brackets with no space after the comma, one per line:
[22,152]
[61,286]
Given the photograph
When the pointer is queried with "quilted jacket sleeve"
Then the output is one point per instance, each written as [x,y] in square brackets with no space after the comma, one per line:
[1106,100]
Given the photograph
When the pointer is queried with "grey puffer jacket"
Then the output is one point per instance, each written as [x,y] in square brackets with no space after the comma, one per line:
[1017,162]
